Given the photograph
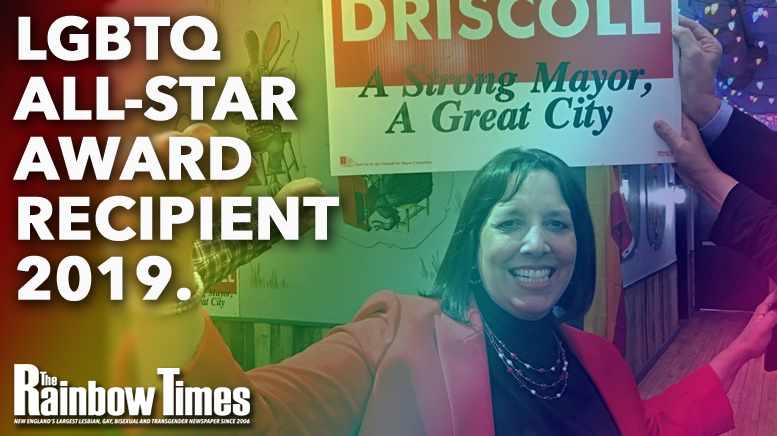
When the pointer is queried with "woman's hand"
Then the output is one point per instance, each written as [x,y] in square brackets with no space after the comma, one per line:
[178,250]
[750,344]
[171,340]
[196,189]
[694,164]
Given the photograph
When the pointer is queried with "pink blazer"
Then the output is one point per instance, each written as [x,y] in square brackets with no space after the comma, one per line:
[404,368]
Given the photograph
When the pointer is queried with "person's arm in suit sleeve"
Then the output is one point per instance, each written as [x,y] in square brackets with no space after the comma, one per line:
[738,145]
[748,223]
[736,172]
[695,405]
[747,151]
[698,404]
[321,390]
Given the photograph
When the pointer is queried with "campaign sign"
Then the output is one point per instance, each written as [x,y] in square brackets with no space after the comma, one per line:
[444,85]
[223,299]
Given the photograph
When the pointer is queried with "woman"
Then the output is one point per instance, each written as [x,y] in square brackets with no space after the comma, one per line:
[483,354]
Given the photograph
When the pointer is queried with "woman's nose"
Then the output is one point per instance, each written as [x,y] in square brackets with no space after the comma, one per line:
[534,242]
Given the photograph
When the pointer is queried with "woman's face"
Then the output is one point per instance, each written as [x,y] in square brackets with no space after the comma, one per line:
[528,248]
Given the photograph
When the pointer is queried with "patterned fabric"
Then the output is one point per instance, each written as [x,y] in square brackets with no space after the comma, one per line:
[215,259]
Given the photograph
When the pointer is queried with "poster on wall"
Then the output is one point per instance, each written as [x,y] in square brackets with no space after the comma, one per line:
[390,231]
[425,85]
[223,300]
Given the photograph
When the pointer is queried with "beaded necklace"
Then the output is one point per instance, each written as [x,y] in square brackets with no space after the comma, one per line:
[521,372]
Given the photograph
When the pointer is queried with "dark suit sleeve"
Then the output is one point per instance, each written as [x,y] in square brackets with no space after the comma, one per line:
[747,151]
[748,223]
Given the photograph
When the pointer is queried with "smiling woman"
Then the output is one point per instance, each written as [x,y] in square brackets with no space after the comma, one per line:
[525,212]
[482,354]
[528,247]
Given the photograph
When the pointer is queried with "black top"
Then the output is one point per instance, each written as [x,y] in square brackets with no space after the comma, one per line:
[579,411]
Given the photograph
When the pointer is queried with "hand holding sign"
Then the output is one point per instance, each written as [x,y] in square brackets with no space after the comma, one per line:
[694,164]
[699,57]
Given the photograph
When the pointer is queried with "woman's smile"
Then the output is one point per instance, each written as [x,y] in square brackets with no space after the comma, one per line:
[533,278]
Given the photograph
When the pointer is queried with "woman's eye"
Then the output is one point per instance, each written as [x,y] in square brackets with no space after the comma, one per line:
[558,225]
[508,225]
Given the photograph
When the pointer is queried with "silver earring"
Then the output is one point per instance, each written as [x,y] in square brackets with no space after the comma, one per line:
[474,272]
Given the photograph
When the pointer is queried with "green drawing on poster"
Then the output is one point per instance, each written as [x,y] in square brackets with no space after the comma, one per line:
[270,144]
[271,282]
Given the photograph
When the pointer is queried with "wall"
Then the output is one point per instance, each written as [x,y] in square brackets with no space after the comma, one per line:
[651,319]
[256,344]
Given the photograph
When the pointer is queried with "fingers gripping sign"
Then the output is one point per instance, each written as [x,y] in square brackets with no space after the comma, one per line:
[700,55]
[694,164]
